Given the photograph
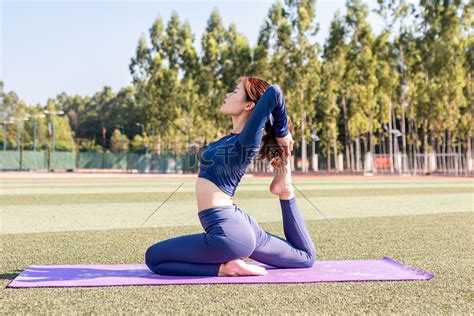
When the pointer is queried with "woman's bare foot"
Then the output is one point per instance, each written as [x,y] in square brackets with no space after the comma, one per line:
[281,183]
[238,267]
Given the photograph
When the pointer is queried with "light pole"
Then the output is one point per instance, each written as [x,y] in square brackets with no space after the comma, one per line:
[143,135]
[35,116]
[314,139]
[396,133]
[153,146]
[53,113]
[122,141]
[142,127]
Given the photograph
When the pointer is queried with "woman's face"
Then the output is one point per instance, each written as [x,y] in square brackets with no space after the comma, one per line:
[235,101]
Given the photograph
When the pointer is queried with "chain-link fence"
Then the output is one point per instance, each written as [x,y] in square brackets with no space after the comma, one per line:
[71,161]
[27,160]
[423,163]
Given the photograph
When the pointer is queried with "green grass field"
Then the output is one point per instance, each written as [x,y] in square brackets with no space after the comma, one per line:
[422,222]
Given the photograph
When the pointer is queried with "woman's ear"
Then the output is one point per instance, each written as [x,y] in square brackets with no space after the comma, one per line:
[250,106]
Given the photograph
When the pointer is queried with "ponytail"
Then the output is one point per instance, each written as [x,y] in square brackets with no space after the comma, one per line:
[270,148]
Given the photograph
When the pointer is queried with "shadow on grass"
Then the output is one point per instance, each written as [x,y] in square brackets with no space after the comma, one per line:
[10,275]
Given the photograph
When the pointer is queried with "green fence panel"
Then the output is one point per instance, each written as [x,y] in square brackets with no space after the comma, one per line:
[140,162]
[9,160]
[34,160]
[143,163]
[189,162]
[115,161]
[165,164]
[160,163]
[90,160]
[63,160]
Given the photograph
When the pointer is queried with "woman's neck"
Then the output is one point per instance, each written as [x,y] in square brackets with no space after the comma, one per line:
[238,123]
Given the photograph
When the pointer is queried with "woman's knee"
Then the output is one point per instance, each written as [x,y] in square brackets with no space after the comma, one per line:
[311,259]
[151,256]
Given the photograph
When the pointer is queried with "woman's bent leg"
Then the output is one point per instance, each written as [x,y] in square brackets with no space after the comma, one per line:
[196,254]
[227,237]
[297,251]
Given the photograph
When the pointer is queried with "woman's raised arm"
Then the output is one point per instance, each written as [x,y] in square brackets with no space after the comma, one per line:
[272,101]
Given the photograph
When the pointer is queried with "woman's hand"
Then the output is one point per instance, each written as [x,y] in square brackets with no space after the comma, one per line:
[286,143]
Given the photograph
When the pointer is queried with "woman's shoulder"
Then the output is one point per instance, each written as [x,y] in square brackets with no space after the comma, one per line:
[220,140]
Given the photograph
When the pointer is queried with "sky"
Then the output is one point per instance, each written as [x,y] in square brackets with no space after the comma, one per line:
[78,47]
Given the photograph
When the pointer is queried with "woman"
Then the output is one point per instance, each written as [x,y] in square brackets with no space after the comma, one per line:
[231,234]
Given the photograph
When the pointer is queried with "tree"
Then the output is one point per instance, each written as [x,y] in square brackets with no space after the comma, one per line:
[332,88]
[189,102]
[212,88]
[118,142]
[361,79]
[260,66]
[155,76]
[388,79]
[235,60]
[295,64]
[7,104]
[327,105]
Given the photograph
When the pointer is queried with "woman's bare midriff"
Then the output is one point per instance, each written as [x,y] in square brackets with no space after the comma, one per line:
[209,195]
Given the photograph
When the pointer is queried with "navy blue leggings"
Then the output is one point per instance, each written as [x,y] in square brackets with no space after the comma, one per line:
[233,234]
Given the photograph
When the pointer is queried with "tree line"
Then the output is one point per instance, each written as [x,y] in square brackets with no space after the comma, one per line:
[411,85]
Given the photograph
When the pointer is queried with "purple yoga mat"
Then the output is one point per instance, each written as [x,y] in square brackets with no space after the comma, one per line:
[385,269]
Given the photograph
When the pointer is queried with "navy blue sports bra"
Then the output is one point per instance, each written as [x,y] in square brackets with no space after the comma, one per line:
[224,161]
